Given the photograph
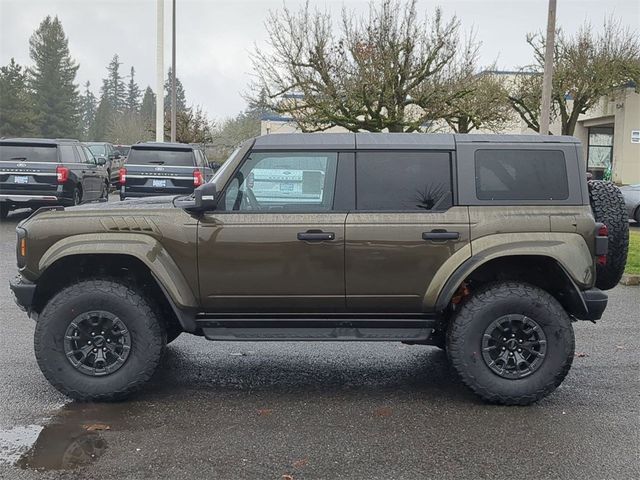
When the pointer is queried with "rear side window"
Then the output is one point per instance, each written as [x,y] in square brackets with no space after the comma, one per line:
[403,181]
[27,153]
[153,156]
[521,175]
[69,154]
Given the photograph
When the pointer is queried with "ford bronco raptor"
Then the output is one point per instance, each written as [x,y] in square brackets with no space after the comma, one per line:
[487,246]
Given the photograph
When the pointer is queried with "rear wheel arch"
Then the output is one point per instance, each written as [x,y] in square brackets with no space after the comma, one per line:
[542,271]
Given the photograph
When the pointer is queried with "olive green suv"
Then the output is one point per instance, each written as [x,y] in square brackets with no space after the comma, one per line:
[487,246]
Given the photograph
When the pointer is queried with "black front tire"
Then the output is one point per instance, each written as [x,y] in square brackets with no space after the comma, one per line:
[138,315]
[608,206]
[480,311]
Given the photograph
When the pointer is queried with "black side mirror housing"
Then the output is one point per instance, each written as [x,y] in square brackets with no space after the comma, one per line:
[101,161]
[206,197]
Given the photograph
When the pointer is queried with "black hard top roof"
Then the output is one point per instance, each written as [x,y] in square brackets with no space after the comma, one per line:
[409,141]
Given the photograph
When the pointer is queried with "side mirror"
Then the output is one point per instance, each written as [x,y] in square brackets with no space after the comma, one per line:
[206,197]
[101,161]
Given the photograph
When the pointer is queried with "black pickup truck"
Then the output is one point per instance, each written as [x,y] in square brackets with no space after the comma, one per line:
[36,172]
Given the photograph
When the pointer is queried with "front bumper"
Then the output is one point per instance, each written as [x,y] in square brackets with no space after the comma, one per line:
[23,292]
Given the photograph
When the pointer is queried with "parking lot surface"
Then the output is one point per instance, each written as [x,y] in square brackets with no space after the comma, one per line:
[321,411]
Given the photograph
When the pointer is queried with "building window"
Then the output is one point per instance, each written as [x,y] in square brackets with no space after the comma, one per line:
[600,152]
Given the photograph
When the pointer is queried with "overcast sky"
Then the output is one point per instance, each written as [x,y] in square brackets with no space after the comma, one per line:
[216,36]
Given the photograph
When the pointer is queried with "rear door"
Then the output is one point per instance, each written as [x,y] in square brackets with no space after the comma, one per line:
[28,168]
[274,245]
[404,228]
[156,171]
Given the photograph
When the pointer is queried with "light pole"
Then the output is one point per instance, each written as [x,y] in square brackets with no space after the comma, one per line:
[160,71]
[545,107]
[173,73]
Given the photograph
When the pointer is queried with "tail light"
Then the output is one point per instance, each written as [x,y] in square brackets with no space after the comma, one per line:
[602,243]
[197,178]
[62,173]
[122,176]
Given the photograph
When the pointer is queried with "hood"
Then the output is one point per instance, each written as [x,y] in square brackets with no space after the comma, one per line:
[134,203]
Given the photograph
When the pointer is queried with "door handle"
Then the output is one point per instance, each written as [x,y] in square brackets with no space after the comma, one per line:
[316,236]
[440,235]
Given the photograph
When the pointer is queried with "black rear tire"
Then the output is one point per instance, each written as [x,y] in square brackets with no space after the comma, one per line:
[138,319]
[77,197]
[4,210]
[530,306]
[607,204]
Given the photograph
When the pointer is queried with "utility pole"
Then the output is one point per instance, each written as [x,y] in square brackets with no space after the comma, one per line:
[160,71]
[545,107]
[174,107]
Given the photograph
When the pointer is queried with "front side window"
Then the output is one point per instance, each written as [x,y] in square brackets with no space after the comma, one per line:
[291,181]
[403,181]
[521,175]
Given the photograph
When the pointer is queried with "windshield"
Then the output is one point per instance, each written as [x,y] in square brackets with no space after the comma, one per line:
[28,153]
[225,165]
[98,150]
[154,156]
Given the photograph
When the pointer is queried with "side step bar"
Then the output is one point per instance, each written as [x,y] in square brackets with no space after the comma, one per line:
[369,330]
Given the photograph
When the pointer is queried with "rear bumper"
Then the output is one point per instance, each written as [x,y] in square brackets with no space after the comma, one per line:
[26,198]
[595,302]
[23,292]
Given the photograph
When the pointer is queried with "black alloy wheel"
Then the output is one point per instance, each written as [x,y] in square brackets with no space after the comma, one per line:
[97,343]
[514,346]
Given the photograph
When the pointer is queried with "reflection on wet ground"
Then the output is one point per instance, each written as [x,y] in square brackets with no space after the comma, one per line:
[73,438]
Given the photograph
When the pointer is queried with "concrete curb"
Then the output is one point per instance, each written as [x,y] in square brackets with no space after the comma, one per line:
[630,279]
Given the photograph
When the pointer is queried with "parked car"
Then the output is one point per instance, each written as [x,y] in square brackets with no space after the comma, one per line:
[114,158]
[124,151]
[36,172]
[631,194]
[163,169]
[485,245]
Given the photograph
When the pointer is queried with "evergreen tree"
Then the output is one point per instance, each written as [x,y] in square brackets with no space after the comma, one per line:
[55,95]
[113,87]
[16,115]
[181,99]
[148,109]
[88,107]
[133,93]
[103,123]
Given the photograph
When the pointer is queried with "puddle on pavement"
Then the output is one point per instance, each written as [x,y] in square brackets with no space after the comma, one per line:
[74,437]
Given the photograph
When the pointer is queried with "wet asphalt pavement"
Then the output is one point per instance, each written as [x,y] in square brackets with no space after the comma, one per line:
[321,411]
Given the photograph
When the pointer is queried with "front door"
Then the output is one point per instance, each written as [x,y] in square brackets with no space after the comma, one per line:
[274,243]
[404,228]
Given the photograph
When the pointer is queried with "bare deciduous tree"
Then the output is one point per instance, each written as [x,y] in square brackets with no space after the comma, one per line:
[384,71]
[587,66]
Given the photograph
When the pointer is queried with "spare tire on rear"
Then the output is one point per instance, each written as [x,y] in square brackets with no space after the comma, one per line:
[609,208]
